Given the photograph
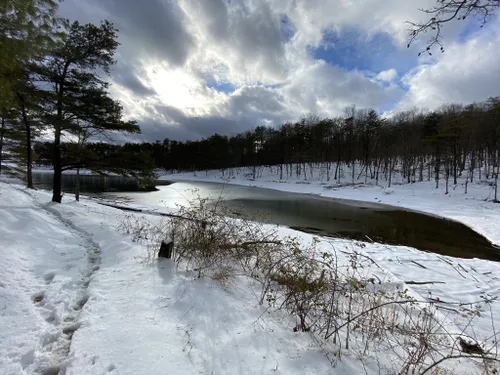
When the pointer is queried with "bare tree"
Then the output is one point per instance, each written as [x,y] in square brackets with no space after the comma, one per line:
[445,11]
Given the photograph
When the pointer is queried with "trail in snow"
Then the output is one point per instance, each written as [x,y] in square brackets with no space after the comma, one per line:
[56,346]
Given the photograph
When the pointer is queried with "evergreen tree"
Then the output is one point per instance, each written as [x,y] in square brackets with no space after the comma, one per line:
[77,96]
[27,31]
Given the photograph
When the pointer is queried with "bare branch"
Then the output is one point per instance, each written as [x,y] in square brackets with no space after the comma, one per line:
[445,11]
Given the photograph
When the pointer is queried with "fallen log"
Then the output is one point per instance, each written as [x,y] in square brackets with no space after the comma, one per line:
[147,212]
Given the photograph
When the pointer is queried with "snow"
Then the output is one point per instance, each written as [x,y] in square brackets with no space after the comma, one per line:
[128,317]
[76,294]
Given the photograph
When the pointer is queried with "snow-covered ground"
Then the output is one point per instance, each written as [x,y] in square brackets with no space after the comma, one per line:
[76,296]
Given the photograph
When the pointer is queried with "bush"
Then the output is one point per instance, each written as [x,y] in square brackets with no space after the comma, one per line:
[330,294]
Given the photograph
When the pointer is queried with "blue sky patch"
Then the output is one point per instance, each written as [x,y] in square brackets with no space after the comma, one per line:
[224,87]
[352,50]
[287,29]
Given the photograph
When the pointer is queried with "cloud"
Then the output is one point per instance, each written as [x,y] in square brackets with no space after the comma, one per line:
[187,68]
[387,75]
[244,37]
[128,76]
[465,73]
[326,90]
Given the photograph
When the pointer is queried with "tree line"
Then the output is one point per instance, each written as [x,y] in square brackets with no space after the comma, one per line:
[455,140]
[51,85]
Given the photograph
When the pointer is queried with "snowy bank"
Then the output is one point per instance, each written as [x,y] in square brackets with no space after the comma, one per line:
[75,295]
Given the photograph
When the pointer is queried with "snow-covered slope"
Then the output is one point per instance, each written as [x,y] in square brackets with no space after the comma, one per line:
[76,296]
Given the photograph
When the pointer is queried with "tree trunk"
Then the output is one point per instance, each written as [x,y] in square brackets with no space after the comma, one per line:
[496,185]
[472,167]
[421,170]
[455,163]
[2,132]
[437,167]
[56,161]
[56,158]
[29,153]
[480,165]
[496,188]
[77,185]
[29,159]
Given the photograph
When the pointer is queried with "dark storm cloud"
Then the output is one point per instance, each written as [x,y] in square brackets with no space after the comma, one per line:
[127,76]
[197,127]
[192,128]
[256,99]
[147,29]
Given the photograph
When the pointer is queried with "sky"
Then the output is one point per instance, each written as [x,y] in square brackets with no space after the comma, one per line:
[187,69]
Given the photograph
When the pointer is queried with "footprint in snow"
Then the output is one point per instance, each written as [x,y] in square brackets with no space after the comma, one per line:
[70,329]
[81,302]
[49,277]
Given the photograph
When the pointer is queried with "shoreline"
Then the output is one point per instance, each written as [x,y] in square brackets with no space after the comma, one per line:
[471,210]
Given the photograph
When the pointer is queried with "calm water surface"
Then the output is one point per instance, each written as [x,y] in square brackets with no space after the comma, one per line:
[329,217]
[332,217]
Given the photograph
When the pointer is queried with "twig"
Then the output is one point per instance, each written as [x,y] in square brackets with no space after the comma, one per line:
[138,210]
[244,245]
[463,268]
[369,239]
[483,357]
[418,264]
[458,272]
[445,260]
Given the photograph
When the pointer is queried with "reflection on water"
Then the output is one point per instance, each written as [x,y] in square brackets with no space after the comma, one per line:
[88,183]
[334,217]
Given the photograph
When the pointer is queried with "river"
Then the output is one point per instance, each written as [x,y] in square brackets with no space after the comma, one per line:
[309,213]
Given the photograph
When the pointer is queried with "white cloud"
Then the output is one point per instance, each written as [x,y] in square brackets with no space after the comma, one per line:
[464,73]
[174,51]
[387,75]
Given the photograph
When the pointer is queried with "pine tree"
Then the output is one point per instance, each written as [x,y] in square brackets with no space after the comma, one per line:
[78,97]
[27,31]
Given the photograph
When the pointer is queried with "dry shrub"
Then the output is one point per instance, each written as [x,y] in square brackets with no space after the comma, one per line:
[337,301]
[148,233]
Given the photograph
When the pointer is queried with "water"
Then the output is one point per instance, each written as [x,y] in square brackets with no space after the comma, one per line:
[331,217]
[88,183]
[313,214]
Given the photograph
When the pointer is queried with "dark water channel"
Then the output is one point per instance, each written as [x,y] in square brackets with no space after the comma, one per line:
[328,217]
[88,183]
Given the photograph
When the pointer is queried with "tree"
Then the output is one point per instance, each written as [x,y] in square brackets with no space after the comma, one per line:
[445,11]
[27,31]
[77,96]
